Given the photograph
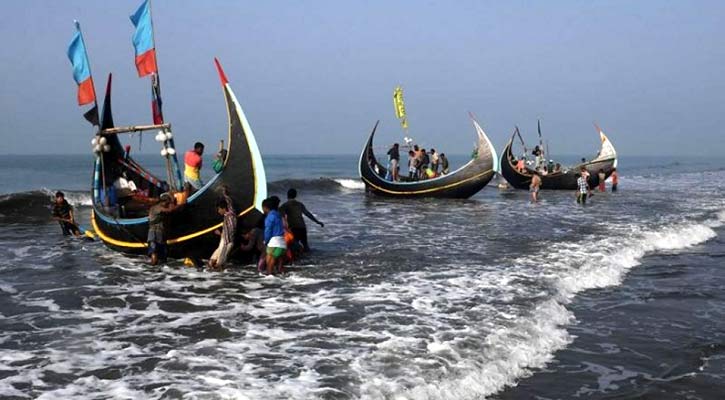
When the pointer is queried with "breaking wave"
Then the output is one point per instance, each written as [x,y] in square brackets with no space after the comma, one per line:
[34,206]
[320,185]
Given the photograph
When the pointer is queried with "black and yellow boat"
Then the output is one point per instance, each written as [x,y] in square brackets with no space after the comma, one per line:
[122,224]
[460,184]
[565,177]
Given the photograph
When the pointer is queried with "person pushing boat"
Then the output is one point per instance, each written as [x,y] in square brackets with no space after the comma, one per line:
[273,235]
[226,235]
[63,213]
[156,238]
[615,179]
[294,211]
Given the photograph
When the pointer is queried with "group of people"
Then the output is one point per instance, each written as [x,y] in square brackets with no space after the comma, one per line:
[539,164]
[283,238]
[422,164]
[583,191]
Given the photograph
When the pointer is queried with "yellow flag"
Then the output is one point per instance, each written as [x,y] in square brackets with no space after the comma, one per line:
[400,106]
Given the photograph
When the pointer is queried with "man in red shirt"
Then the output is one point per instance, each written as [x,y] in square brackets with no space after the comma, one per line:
[192,166]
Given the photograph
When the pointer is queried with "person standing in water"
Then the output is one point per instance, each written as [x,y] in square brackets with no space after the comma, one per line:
[157,227]
[394,159]
[226,235]
[602,177]
[534,187]
[192,166]
[586,176]
[294,211]
[582,189]
[273,236]
[615,179]
[63,213]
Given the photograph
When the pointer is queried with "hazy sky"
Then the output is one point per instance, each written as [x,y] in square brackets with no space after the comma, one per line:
[314,76]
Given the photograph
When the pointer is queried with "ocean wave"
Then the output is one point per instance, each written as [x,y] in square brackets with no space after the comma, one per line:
[529,341]
[34,206]
[320,185]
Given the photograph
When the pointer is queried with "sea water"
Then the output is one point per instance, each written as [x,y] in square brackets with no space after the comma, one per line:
[491,297]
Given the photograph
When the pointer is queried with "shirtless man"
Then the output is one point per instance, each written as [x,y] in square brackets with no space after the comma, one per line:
[534,188]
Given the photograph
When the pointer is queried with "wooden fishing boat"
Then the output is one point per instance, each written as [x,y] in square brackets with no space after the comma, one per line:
[462,183]
[122,223]
[565,178]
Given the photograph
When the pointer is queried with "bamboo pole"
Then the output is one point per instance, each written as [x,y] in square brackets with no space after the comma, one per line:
[134,129]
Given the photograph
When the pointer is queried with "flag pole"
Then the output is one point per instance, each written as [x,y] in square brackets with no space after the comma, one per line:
[156,89]
[95,105]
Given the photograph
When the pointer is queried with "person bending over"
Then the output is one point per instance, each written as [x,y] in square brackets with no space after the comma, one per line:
[226,235]
[157,227]
[255,244]
[273,236]
[63,213]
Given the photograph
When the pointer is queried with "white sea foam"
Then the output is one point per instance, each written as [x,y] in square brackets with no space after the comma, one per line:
[462,330]
[350,183]
[511,351]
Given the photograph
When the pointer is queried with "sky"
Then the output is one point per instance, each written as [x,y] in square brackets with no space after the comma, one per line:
[314,76]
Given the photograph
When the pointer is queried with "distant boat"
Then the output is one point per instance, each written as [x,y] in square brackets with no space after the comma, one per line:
[462,183]
[565,178]
[124,227]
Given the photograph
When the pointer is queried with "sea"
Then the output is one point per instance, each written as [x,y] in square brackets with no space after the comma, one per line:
[487,298]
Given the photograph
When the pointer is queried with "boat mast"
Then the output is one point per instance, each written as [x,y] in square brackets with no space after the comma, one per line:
[173,171]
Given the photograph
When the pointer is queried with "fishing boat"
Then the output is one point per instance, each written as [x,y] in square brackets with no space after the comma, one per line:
[461,184]
[565,177]
[123,190]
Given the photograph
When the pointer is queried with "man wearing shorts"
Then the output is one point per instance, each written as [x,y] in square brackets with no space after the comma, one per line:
[273,236]
[534,187]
